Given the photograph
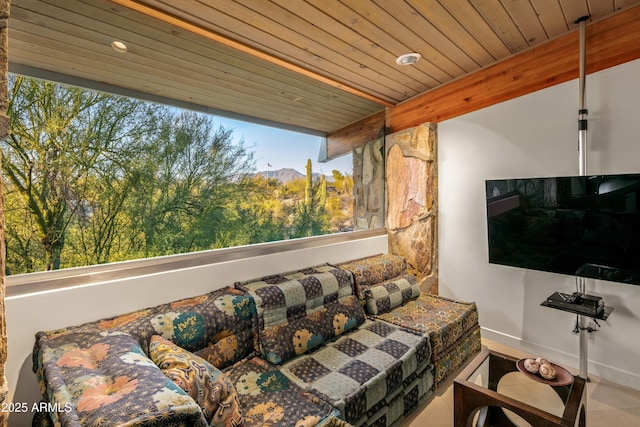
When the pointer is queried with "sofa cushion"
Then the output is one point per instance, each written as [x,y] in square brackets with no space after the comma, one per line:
[210,388]
[283,342]
[301,310]
[336,422]
[361,368]
[106,379]
[402,401]
[452,326]
[384,297]
[376,269]
[218,325]
[268,398]
[455,356]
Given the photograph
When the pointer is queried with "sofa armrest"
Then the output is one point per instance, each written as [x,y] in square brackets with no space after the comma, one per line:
[106,379]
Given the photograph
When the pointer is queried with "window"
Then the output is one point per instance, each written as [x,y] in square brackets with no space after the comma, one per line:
[93,178]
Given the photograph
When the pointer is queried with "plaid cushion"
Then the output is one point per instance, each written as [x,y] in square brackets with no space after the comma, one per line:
[361,368]
[376,269]
[401,402]
[283,342]
[386,296]
[298,311]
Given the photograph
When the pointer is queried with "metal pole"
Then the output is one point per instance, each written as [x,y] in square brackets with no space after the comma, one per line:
[582,111]
[582,155]
[584,336]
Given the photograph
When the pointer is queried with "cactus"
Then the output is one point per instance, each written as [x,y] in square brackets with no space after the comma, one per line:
[308,189]
[311,216]
[322,196]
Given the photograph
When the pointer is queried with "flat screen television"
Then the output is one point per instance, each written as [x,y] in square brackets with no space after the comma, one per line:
[587,226]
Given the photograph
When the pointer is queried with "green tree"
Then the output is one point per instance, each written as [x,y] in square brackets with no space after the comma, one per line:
[340,202]
[343,183]
[261,214]
[59,136]
[94,178]
[190,171]
[100,230]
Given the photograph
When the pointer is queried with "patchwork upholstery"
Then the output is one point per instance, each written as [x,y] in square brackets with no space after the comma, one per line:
[268,398]
[283,342]
[452,327]
[386,296]
[337,422]
[113,368]
[301,310]
[457,355]
[218,326]
[328,364]
[210,388]
[376,269]
[359,370]
[104,379]
[402,401]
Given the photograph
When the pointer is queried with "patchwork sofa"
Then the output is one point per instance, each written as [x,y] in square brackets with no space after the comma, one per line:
[391,295]
[323,346]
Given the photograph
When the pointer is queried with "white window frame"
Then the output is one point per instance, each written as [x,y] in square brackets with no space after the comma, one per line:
[20,285]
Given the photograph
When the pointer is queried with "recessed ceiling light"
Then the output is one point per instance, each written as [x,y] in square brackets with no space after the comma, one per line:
[119,46]
[408,58]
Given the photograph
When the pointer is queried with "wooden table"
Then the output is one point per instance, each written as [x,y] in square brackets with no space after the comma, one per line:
[470,397]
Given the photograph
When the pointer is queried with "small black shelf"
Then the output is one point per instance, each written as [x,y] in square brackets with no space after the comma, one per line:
[603,315]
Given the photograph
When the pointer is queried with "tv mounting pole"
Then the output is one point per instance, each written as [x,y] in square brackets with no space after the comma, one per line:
[582,112]
[582,167]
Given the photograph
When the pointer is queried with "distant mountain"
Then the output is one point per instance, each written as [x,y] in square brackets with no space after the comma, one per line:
[286,175]
[283,175]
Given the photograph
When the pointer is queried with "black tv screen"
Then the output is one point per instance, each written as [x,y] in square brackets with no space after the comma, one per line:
[587,226]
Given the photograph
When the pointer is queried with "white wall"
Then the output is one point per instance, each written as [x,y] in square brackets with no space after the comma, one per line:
[536,135]
[29,314]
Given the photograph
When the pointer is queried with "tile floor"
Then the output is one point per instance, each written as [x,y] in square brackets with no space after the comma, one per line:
[608,404]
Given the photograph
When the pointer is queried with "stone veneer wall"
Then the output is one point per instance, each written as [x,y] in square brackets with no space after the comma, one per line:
[368,185]
[4,133]
[412,195]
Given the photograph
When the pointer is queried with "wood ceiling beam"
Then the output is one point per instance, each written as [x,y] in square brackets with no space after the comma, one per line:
[355,135]
[200,30]
[610,42]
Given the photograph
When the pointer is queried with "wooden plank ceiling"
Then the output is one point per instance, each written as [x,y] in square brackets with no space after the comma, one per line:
[312,64]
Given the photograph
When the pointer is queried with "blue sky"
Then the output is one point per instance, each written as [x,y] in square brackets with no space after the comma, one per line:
[283,149]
